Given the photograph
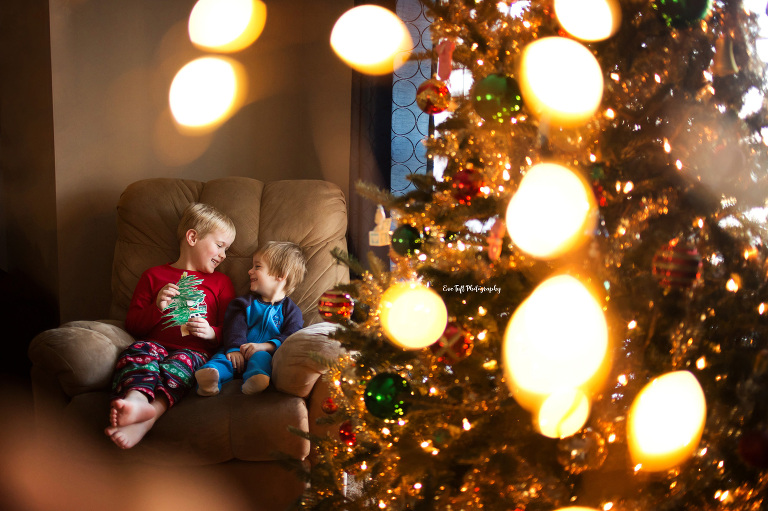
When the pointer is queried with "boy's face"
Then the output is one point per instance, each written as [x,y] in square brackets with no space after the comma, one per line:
[262,282]
[209,251]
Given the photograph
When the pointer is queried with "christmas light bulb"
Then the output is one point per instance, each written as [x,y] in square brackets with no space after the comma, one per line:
[666,421]
[589,20]
[561,81]
[412,315]
[226,25]
[206,91]
[369,37]
[556,340]
[552,211]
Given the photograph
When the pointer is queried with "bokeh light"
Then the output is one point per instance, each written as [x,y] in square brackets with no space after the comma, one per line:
[589,20]
[412,315]
[666,421]
[556,341]
[552,211]
[226,25]
[367,38]
[205,92]
[561,81]
[563,413]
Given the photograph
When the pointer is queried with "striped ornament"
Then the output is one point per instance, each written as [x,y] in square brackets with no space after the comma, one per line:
[677,266]
[335,306]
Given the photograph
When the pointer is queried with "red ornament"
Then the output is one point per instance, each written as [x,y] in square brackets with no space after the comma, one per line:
[466,185]
[599,192]
[347,434]
[753,448]
[677,266]
[335,306]
[453,346]
[433,96]
[329,406]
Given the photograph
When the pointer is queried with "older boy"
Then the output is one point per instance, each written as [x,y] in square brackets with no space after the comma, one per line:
[157,370]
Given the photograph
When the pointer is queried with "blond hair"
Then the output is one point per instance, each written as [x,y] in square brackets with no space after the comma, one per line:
[204,219]
[284,260]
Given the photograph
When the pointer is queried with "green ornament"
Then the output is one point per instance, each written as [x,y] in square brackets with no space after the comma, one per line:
[497,98]
[385,395]
[681,13]
[406,240]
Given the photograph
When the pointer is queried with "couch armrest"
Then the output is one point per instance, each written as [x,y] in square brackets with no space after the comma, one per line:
[294,371]
[80,356]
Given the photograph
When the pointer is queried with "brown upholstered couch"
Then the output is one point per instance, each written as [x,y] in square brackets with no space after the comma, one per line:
[242,434]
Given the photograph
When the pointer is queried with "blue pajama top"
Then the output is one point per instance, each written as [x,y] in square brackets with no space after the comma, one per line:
[249,319]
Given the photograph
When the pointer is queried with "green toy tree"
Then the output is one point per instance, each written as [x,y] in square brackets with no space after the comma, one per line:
[576,311]
[187,304]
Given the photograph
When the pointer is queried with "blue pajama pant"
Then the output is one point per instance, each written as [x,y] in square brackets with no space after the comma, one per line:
[259,363]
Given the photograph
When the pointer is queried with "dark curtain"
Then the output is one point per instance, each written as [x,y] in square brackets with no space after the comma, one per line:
[370,151]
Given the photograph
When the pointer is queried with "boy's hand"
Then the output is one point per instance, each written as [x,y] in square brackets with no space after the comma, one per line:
[249,348]
[237,360]
[165,295]
[199,327]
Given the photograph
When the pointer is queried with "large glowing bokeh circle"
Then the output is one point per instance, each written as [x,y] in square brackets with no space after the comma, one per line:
[561,81]
[412,315]
[552,211]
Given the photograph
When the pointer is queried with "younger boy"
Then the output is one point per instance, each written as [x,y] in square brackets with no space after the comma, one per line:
[256,324]
[157,370]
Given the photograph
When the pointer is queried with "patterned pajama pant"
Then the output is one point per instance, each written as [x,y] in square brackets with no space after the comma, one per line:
[149,368]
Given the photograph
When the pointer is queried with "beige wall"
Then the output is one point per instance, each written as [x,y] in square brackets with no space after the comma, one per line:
[112,63]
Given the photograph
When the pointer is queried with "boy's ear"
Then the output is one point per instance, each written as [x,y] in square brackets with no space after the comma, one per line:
[191,237]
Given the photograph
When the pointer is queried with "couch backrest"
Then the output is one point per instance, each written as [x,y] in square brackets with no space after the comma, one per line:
[311,213]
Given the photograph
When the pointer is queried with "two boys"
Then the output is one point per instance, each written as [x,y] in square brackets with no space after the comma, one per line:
[158,369]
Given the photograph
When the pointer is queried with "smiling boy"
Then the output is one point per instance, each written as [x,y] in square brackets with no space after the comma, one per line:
[157,370]
[256,324]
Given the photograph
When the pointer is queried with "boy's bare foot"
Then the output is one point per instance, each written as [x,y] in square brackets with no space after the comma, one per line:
[126,437]
[207,381]
[255,384]
[132,409]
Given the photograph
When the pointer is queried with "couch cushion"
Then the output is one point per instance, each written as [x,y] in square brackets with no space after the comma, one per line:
[80,355]
[299,362]
[199,430]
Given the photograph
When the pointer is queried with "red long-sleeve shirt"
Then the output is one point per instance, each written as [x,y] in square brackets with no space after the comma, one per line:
[146,321]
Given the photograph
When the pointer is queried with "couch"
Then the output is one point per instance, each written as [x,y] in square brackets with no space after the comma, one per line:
[243,437]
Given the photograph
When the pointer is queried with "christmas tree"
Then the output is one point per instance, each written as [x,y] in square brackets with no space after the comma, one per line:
[575,311]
